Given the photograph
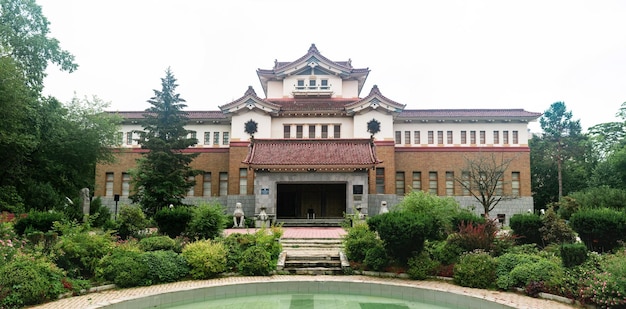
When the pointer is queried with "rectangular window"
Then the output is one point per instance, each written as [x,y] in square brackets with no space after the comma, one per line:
[312,84]
[499,191]
[192,190]
[449,183]
[311,131]
[299,131]
[286,131]
[515,183]
[216,138]
[505,137]
[119,138]
[431,137]
[193,135]
[108,188]
[473,137]
[407,137]
[432,183]
[129,138]
[225,138]
[125,184]
[482,137]
[223,183]
[450,140]
[243,181]
[206,184]
[398,137]
[465,179]
[399,183]
[463,137]
[417,181]
[207,138]
[324,84]
[416,137]
[300,85]
[439,137]
[515,138]
[337,131]
[496,137]
[380,180]
[325,131]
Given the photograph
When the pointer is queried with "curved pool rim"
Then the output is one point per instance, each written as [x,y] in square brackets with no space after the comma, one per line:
[407,290]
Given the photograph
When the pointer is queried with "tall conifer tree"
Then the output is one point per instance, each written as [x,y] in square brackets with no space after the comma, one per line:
[163,174]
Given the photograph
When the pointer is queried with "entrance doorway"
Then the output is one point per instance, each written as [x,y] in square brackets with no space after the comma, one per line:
[308,200]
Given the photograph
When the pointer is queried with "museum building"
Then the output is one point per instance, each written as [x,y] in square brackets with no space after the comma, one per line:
[313,158]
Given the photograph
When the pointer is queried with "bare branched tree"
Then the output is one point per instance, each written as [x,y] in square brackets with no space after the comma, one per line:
[483,178]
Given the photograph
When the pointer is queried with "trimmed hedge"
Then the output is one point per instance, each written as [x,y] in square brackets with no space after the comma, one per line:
[526,228]
[600,229]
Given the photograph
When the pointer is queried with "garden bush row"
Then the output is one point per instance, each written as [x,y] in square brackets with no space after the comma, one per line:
[43,255]
[421,237]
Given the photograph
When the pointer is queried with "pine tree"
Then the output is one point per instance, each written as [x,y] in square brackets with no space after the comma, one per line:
[162,176]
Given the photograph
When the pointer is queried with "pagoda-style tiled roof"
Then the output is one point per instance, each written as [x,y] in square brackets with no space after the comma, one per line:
[340,68]
[312,104]
[191,115]
[311,154]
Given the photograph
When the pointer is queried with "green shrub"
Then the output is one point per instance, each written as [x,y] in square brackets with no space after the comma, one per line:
[130,221]
[444,211]
[607,286]
[235,245]
[154,243]
[26,281]
[573,254]
[164,266]
[476,270]
[600,229]
[555,230]
[466,217]
[208,222]
[98,215]
[173,221]
[506,263]
[9,243]
[421,266]
[545,271]
[269,242]
[358,239]
[526,228]
[78,251]
[600,197]
[444,252]
[37,221]
[376,258]
[256,261]
[206,258]
[403,233]
[566,207]
[124,267]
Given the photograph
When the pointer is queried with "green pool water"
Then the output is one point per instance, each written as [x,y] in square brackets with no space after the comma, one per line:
[308,301]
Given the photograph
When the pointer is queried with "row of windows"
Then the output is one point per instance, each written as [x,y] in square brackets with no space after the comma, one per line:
[433,183]
[311,130]
[312,84]
[416,138]
[206,184]
[210,138]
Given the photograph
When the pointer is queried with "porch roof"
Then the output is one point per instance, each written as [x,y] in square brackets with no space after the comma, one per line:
[312,154]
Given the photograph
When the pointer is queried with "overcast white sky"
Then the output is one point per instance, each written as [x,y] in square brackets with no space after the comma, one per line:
[425,54]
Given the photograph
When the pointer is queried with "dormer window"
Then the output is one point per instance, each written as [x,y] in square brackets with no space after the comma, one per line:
[300,85]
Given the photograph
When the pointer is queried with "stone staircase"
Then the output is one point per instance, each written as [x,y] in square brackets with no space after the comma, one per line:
[312,256]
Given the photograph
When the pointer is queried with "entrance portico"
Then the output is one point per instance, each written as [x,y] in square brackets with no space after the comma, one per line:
[302,179]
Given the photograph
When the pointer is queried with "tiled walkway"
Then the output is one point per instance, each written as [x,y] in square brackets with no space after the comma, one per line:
[104,298]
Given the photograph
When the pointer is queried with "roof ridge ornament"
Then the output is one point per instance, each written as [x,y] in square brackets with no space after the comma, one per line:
[250,91]
[313,49]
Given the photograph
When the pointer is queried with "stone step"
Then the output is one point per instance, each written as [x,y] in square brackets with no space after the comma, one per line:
[312,264]
[312,256]
[314,271]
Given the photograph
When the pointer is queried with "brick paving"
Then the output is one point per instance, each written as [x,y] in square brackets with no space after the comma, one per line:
[103,298]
